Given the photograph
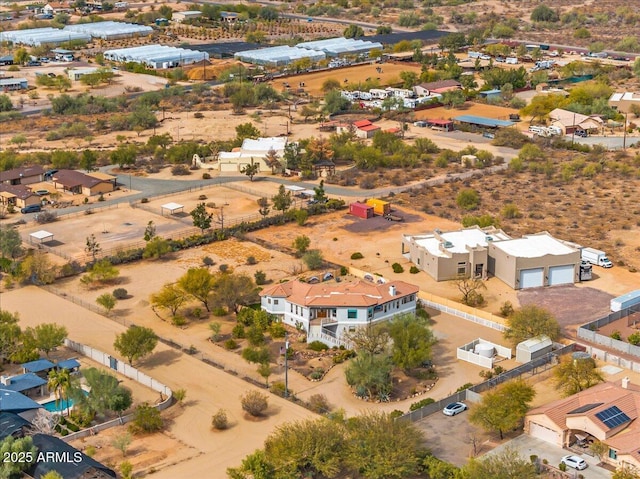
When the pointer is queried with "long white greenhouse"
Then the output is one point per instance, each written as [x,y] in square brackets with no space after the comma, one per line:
[277,56]
[157,56]
[35,37]
[334,47]
[110,30]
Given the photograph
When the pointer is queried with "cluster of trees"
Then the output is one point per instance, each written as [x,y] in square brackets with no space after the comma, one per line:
[21,346]
[405,342]
[224,289]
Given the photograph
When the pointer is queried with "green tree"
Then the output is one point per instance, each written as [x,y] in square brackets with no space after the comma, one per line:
[412,341]
[599,449]
[282,201]
[124,155]
[10,242]
[21,56]
[17,447]
[318,193]
[291,156]
[60,383]
[453,98]
[313,259]
[353,31]
[529,322]
[10,334]
[263,204]
[49,336]
[330,84]
[468,199]
[636,67]
[170,297]
[234,290]
[198,282]
[36,268]
[150,231]
[626,472]
[146,419]
[572,376]
[301,244]
[504,408]
[120,400]
[542,13]
[92,246]
[379,447]
[137,342]
[122,442]
[102,272]
[250,169]
[244,131]
[88,160]
[508,464]
[335,102]
[157,248]
[107,301]
[201,218]
[5,103]
[370,375]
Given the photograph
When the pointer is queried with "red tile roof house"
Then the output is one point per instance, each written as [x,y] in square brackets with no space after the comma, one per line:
[77,182]
[328,310]
[426,89]
[607,412]
[22,176]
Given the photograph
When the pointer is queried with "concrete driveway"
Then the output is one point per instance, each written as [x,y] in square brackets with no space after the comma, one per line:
[528,446]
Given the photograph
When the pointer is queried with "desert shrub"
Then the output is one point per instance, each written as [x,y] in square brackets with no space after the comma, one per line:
[317,346]
[342,356]
[464,386]
[207,261]
[277,330]
[223,268]
[474,299]
[230,344]
[422,403]
[634,338]
[414,270]
[344,271]
[178,320]
[202,197]
[206,176]
[506,309]
[144,200]
[260,277]
[219,420]
[616,335]
[120,293]
[278,388]
[396,413]
[319,404]
[180,170]
[357,256]
[46,217]
[238,331]
[251,260]
[90,451]
[397,268]
[468,199]
[255,335]
[146,419]
[562,466]
[219,311]
[316,374]
[368,182]
[255,403]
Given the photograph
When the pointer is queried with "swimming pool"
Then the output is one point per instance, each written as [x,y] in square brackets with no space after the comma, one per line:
[60,406]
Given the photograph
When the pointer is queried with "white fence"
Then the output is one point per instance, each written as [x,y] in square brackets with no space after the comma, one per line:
[126,370]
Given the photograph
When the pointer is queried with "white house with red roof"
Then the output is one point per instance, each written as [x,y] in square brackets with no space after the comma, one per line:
[607,412]
[328,310]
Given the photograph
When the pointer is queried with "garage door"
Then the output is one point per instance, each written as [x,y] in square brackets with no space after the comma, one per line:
[228,167]
[561,274]
[531,278]
[544,433]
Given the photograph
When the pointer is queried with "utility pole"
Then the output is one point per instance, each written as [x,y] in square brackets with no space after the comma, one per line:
[286,365]
[624,137]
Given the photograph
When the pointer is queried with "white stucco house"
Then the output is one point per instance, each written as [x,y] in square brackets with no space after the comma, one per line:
[328,310]
[251,150]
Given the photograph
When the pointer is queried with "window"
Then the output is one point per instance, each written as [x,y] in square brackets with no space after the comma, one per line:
[462,268]
[613,454]
[275,301]
[268,300]
[352,314]
[370,313]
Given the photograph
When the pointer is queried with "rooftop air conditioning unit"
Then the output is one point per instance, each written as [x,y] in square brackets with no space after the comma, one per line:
[448,244]
[489,238]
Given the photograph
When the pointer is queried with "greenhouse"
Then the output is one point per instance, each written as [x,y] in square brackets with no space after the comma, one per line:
[110,30]
[277,56]
[334,47]
[157,56]
[35,37]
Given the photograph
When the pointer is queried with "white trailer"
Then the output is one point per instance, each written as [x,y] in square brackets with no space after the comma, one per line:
[595,256]
[511,60]
[625,301]
[474,54]
[378,93]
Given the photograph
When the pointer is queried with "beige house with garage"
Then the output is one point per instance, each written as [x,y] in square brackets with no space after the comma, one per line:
[251,151]
[533,261]
[607,412]
[449,255]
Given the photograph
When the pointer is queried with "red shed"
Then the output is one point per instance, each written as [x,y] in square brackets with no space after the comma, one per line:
[362,210]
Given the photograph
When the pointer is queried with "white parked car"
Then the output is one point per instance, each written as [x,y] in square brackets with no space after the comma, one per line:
[574,461]
[454,408]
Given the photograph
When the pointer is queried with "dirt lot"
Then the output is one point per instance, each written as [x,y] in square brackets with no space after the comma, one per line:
[390,75]
[478,109]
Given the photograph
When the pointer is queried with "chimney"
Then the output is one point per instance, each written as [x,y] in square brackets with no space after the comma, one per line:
[625,382]
[392,290]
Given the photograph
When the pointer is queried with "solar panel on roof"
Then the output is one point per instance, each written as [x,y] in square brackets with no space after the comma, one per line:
[612,417]
[585,408]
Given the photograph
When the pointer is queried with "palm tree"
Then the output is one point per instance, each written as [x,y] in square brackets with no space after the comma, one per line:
[60,384]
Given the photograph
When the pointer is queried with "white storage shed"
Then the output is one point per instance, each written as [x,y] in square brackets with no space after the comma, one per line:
[533,348]
[157,56]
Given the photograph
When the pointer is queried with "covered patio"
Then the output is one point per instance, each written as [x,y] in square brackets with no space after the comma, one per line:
[41,236]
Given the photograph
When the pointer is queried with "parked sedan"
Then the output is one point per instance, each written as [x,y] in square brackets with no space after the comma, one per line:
[574,462]
[454,408]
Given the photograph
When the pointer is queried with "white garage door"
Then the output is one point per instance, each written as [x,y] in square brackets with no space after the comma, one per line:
[561,274]
[531,278]
[229,167]
[544,433]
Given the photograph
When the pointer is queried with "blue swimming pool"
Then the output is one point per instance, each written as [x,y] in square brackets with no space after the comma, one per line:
[60,406]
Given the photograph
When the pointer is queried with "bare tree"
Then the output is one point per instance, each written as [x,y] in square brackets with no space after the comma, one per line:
[470,287]
[370,339]
[44,422]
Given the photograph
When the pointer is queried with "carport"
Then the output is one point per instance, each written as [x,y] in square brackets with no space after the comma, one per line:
[41,236]
[172,208]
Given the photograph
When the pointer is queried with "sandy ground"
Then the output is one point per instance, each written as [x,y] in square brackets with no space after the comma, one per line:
[469,108]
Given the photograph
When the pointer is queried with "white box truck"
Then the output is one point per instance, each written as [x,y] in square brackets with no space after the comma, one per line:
[595,256]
